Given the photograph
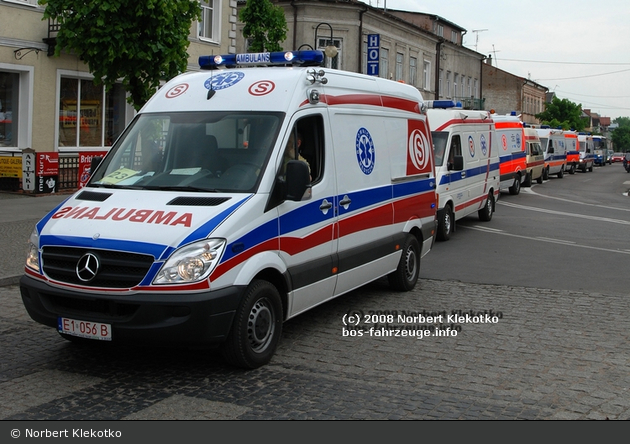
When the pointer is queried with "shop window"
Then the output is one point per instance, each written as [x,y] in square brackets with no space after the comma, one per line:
[9,94]
[88,116]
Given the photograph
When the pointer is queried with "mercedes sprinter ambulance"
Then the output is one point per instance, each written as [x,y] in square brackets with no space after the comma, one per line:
[201,226]
[511,140]
[466,163]
[554,149]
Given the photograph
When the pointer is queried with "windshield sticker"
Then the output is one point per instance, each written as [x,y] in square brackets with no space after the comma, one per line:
[224,80]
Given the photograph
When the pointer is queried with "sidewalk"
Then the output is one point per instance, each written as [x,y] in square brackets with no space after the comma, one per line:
[18,215]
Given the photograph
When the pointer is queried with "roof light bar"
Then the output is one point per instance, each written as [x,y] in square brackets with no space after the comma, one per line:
[302,58]
[443,104]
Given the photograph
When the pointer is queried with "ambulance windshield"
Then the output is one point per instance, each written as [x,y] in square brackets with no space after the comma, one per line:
[192,151]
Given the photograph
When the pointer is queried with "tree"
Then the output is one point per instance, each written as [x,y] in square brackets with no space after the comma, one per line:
[140,42]
[265,25]
[563,113]
[620,136]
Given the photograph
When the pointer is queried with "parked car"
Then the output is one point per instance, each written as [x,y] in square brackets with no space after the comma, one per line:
[617,157]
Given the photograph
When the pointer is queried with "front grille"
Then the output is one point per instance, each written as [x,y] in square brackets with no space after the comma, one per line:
[117,269]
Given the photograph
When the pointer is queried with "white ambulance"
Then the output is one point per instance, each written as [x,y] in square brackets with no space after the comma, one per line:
[466,163]
[199,228]
[587,154]
[512,153]
[554,149]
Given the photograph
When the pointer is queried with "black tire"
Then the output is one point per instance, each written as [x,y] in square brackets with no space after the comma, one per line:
[528,180]
[545,174]
[540,178]
[516,186]
[561,173]
[445,224]
[404,278]
[591,168]
[256,328]
[485,214]
[572,169]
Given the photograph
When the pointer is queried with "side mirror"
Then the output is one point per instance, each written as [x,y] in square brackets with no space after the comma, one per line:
[94,163]
[458,163]
[297,179]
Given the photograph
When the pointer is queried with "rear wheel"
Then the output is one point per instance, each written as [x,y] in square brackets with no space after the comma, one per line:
[516,186]
[561,173]
[545,174]
[572,169]
[485,214]
[406,275]
[528,180]
[540,178]
[256,328]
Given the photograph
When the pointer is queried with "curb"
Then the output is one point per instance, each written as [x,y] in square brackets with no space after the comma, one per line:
[10,280]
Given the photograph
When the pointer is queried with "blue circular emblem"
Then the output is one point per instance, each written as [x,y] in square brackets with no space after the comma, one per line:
[471,146]
[223,80]
[365,151]
[484,145]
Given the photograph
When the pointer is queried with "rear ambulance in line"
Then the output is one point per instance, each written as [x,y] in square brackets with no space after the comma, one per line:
[199,228]
[466,163]
[554,149]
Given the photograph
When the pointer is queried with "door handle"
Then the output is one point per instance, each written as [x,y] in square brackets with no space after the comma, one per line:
[345,202]
[325,206]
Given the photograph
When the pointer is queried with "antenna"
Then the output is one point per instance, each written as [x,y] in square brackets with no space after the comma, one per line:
[495,55]
[477,31]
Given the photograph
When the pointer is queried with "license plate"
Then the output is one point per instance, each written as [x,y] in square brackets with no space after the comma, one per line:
[85,329]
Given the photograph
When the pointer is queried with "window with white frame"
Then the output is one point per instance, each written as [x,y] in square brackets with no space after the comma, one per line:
[384,65]
[399,66]
[455,83]
[454,35]
[439,30]
[469,87]
[330,62]
[413,70]
[426,74]
[448,84]
[89,116]
[210,23]
[16,93]
[32,3]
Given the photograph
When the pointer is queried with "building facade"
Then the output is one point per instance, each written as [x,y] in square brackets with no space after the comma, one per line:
[420,49]
[505,93]
[50,104]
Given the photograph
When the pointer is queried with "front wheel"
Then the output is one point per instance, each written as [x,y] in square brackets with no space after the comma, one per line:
[561,173]
[528,180]
[485,214]
[572,169]
[256,328]
[545,175]
[404,278]
[445,224]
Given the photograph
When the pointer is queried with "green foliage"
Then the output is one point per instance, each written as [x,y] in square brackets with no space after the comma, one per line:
[563,113]
[621,137]
[139,42]
[623,122]
[265,25]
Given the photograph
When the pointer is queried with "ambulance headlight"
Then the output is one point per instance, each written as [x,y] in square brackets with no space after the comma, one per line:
[191,263]
[32,254]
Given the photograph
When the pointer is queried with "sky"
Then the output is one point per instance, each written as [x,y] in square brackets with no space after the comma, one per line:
[579,49]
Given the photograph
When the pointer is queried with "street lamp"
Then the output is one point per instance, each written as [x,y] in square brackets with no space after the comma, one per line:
[331,49]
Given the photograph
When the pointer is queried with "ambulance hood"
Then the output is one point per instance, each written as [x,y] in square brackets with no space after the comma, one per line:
[137,221]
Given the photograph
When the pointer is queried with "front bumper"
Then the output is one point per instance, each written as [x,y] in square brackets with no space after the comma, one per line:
[161,318]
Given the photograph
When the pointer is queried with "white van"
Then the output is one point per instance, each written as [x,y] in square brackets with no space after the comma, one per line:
[554,149]
[587,154]
[197,229]
[466,163]
[512,155]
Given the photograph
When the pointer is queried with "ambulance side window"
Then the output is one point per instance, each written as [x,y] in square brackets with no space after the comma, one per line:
[311,129]
[455,149]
